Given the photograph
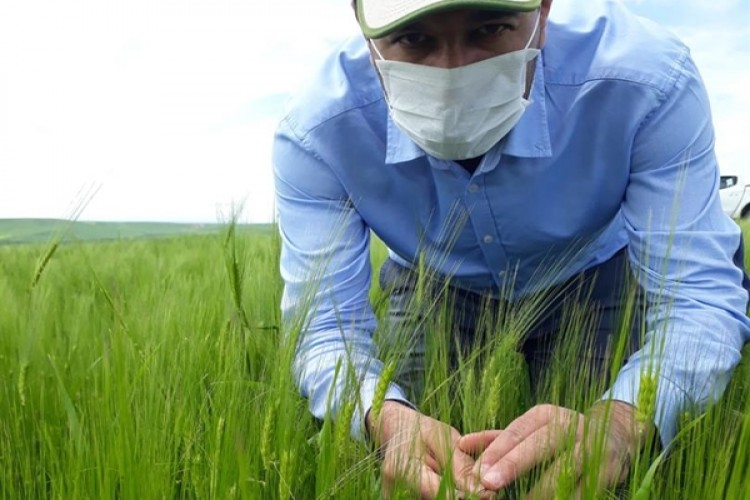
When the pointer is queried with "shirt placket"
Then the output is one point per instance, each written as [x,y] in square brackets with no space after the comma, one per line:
[485,226]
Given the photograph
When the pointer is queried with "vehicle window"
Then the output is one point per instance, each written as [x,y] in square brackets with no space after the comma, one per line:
[727,181]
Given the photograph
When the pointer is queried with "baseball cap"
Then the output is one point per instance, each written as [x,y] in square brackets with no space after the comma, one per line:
[381,17]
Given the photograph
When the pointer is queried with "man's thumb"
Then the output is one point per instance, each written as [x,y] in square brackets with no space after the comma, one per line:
[476,442]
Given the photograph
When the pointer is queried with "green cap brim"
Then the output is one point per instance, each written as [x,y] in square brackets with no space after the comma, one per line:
[439,6]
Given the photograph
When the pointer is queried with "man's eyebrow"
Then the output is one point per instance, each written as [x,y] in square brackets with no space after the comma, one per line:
[475,17]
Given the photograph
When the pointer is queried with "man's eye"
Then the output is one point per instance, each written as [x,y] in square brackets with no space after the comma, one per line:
[493,29]
[411,39]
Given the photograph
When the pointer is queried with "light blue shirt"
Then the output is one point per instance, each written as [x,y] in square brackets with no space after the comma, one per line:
[616,149]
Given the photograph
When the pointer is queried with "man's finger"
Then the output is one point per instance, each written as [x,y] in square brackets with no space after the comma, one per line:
[419,478]
[561,478]
[415,476]
[541,445]
[429,482]
[609,465]
[520,429]
[477,442]
[442,443]
[463,475]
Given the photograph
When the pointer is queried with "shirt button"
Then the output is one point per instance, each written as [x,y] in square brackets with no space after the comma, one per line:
[473,188]
[488,239]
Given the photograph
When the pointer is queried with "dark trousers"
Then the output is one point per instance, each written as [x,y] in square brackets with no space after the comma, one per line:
[600,303]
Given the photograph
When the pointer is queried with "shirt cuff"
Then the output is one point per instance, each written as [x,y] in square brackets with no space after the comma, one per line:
[366,395]
[670,400]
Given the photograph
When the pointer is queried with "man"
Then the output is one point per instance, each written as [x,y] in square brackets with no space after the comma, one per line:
[479,137]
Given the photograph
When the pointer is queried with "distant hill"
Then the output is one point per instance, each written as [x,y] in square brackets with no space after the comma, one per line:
[43,230]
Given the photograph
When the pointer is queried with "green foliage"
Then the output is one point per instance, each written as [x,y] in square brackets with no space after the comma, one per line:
[23,231]
[153,369]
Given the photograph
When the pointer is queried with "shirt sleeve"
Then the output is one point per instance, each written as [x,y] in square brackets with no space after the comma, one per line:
[325,265]
[682,246]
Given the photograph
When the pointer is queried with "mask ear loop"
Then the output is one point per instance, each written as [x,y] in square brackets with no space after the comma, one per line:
[533,33]
[380,56]
[375,48]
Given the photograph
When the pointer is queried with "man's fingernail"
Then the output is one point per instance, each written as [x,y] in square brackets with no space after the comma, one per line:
[494,478]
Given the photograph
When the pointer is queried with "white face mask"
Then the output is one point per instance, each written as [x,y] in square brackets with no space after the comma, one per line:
[458,113]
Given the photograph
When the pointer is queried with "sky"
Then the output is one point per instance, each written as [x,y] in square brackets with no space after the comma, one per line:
[164,110]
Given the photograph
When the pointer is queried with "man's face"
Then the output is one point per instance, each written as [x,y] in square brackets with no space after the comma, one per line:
[459,37]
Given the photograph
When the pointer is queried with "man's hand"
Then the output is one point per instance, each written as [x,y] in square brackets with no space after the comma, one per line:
[418,449]
[609,429]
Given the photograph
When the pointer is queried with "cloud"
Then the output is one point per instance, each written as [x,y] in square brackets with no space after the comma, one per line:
[170,105]
[691,11]
[716,33]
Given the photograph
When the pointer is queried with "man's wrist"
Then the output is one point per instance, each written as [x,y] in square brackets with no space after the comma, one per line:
[373,422]
[623,421]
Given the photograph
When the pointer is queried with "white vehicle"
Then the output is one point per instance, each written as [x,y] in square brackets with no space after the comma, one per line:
[735,196]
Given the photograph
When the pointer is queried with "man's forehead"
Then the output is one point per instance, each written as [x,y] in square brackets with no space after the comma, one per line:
[487,14]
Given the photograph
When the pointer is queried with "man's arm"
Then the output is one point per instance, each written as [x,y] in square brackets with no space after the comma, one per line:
[325,264]
[682,246]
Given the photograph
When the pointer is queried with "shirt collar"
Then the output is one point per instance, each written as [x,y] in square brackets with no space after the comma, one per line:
[399,147]
[529,138]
